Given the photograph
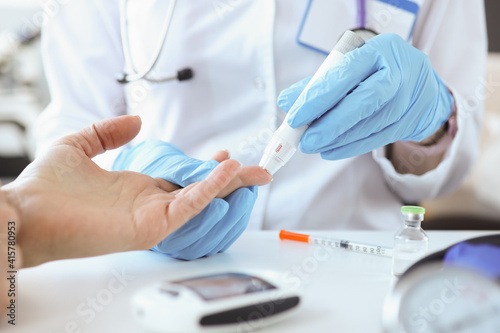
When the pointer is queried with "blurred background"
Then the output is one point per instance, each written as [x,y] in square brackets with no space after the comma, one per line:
[24,94]
[23,90]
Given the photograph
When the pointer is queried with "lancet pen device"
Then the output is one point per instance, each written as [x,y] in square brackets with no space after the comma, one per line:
[286,139]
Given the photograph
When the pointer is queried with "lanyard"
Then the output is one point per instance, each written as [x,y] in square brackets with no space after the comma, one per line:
[361,17]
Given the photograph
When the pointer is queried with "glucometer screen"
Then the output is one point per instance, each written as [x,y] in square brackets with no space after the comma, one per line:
[212,287]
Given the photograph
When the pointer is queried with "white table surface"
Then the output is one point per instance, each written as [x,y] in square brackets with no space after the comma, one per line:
[343,291]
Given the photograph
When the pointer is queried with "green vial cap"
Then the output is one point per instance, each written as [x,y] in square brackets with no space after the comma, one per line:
[412,210]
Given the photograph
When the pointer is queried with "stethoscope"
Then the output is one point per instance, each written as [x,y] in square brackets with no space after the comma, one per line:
[183,74]
[186,73]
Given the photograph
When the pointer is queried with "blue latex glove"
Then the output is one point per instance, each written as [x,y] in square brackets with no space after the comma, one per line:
[383,92]
[482,258]
[218,226]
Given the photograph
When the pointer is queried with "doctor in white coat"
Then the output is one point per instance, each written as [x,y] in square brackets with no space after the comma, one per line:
[411,119]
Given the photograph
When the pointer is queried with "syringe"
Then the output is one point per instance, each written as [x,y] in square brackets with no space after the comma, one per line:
[286,139]
[358,247]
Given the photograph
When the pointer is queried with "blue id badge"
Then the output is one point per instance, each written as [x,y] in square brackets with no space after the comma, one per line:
[325,21]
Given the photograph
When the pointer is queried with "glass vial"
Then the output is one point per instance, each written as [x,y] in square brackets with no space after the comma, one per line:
[411,242]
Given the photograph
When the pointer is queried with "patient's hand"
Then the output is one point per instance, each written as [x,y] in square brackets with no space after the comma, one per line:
[69,207]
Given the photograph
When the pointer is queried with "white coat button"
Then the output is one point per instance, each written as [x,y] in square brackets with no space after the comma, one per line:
[259,84]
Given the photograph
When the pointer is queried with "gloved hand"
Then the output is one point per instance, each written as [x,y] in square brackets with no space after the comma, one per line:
[217,226]
[383,92]
[482,258]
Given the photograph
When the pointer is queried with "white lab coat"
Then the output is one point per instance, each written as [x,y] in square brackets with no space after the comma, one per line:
[243,54]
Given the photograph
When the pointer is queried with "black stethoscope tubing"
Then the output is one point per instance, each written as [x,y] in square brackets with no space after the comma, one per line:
[183,74]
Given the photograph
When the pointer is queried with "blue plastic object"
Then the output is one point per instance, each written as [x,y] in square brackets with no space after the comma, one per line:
[482,258]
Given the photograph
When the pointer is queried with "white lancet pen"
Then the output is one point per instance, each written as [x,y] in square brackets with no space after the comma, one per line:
[286,139]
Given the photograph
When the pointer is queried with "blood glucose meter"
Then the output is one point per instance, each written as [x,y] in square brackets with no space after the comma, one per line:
[226,302]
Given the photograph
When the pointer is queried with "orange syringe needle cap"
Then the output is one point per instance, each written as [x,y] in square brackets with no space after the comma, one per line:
[294,236]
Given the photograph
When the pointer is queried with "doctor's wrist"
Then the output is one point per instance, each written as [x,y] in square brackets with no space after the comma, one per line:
[420,157]
[443,136]
[435,138]
[437,143]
